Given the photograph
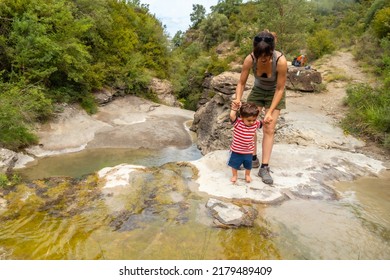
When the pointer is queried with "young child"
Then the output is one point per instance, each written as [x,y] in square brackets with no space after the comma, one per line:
[242,147]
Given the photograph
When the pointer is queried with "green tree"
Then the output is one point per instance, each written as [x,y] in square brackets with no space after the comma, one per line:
[381,23]
[197,15]
[373,9]
[227,7]
[20,107]
[177,40]
[214,29]
[290,19]
[66,49]
[46,39]
[320,43]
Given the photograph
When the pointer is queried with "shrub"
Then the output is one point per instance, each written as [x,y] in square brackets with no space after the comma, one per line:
[381,23]
[369,113]
[8,181]
[20,107]
[320,43]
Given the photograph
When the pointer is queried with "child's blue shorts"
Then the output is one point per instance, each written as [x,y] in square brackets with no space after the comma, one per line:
[235,160]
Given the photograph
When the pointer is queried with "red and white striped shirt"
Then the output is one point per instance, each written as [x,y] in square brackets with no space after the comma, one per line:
[243,137]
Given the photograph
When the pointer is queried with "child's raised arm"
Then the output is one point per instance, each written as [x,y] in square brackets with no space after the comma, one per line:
[234,107]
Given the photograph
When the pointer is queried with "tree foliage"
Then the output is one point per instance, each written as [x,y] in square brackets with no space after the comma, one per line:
[381,23]
[20,107]
[66,49]
[290,20]
[321,43]
[214,29]
[374,7]
[197,15]
[227,7]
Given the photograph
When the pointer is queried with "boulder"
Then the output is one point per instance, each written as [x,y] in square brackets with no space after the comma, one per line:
[229,215]
[211,120]
[303,79]
[103,96]
[8,160]
[164,91]
[212,124]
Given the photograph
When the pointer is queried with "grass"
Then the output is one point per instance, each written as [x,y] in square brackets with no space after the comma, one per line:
[337,75]
[368,114]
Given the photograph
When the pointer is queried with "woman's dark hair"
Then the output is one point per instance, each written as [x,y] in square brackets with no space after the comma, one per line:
[263,43]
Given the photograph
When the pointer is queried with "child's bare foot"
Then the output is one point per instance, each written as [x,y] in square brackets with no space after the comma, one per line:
[233,179]
[248,178]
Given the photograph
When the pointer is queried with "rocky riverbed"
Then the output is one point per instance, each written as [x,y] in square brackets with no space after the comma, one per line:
[311,152]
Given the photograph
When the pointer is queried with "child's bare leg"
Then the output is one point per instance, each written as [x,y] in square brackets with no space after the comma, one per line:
[234,177]
[248,178]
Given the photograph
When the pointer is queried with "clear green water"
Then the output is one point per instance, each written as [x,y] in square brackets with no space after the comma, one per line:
[92,160]
[357,226]
[157,218]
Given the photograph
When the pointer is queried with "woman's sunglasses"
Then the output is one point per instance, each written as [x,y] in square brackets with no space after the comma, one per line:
[268,40]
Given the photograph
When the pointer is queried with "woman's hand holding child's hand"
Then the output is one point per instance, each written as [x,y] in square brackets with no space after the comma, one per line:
[235,106]
[268,118]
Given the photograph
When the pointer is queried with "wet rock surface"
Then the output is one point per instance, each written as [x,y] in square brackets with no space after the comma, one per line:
[127,122]
[136,196]
[229,215]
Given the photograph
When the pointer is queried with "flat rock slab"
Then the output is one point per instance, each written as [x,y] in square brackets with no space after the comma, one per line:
[309,175]
[229,215]
[126,122]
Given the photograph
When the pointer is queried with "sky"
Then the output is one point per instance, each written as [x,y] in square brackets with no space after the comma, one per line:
[175,14]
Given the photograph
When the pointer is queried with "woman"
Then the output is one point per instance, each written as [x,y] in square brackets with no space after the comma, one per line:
[270,70]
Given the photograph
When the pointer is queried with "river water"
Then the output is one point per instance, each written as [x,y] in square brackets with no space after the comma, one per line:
[91,160]
[355,226]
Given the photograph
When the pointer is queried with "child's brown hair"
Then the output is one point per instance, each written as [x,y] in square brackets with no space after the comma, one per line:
[249,110]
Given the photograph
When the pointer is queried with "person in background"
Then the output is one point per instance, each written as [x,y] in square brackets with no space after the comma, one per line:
[300,61]
[269,68]
[243,144]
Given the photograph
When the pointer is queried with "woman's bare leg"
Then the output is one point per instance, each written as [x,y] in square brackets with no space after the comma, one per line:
[255,150]
[268,137]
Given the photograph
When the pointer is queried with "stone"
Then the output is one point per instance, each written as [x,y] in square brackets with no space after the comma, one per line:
[229,215]
[211,120]
[8,159]
[303,79]
[103,96]
[164,91]
[311,179]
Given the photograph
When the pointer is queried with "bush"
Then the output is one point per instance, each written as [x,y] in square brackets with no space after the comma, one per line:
[369,113]
[8,181]
[20,107]
[385,69]
[320,43]
[381,23]
[14,133]
[217,66]
[88,103]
